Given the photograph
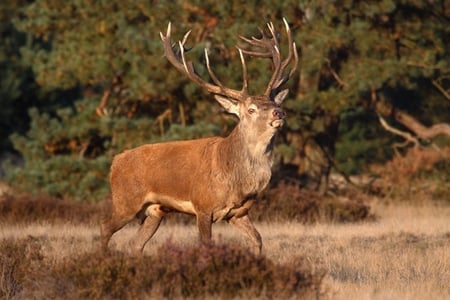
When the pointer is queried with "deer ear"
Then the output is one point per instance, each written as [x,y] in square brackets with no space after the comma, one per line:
[279,98]
[231,106]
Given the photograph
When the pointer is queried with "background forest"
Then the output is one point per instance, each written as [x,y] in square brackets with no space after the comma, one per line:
[83,80]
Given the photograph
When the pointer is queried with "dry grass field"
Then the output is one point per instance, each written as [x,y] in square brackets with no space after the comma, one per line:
[404,254]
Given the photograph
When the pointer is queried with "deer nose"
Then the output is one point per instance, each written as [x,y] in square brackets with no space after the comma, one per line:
[279,113]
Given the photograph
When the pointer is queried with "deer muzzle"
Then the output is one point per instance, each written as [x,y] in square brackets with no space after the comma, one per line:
[279,114]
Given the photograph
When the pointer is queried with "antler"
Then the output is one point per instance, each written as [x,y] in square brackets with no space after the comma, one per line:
[271,49]
[178,60]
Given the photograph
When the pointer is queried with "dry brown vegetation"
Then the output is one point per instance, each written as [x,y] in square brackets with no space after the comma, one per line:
[32,268]
[352,245]
[420,174]
[403,255]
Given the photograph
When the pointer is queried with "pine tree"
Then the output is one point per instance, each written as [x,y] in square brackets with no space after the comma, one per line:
[107,86]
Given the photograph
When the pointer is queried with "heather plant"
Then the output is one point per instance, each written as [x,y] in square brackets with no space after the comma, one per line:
[288,201]
[174,272]
[26,209]
[11,275]
[18,259]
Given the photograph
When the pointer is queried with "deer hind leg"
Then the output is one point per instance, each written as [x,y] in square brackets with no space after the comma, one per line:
[246,227]
[112,225]
[154,215]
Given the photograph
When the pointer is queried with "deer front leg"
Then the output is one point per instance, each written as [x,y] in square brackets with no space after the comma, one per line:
[246,227]
[204,224]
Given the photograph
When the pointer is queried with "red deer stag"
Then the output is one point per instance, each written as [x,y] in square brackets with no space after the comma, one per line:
[214,178]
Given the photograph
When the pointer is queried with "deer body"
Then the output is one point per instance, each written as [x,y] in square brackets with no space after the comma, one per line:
[228,176]
[213,178]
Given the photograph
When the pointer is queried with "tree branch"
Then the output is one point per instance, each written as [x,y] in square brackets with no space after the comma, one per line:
[335,75]
[410,122]
[406,135]
[101,109]
[419,129]
[441,89]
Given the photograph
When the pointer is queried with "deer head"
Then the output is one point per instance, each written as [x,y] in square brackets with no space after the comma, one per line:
[239,102]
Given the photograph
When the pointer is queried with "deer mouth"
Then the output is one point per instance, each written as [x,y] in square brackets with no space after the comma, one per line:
[277,123]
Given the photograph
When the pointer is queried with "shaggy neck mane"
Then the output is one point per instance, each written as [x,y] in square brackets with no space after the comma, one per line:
[248,159]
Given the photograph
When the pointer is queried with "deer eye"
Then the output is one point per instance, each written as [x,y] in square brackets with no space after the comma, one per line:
[251,110]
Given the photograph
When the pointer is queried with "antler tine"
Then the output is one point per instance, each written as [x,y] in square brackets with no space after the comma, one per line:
[290,43]
[263,42]
[210,71]
[294,68]
[271,49]
[168,50]
[187,67]
[292,52]
[213,76]
[276,58]
[286,77]
[244,72]
[255,42]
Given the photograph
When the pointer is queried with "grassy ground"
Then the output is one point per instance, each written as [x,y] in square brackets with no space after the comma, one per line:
[405,254]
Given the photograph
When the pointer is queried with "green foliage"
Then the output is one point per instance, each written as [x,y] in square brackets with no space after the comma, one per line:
[65,177]
[66,155]
[359,144]
[17,89]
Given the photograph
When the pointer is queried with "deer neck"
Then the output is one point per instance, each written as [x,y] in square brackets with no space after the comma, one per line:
[246,161]
[247,156]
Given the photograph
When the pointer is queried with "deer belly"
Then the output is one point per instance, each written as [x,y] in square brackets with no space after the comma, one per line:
[171,203]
